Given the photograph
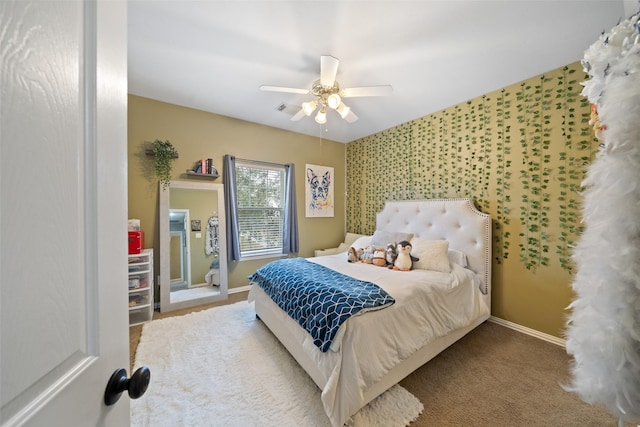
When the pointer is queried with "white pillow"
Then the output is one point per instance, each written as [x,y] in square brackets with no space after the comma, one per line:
[349,238]
[362,242]
[433,254]
[342,248]
[458,257]
[381,238]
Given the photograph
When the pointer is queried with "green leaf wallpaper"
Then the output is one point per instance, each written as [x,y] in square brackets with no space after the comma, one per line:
[519,152]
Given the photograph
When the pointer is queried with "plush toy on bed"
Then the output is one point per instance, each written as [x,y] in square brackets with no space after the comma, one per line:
[404,261]
[354,255]
[379,257]
[367,255]
[391,253]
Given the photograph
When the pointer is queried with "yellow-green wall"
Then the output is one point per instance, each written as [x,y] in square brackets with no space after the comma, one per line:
[195,135]
[520,153]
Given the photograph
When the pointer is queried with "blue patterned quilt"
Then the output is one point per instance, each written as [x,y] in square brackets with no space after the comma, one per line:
[318,298]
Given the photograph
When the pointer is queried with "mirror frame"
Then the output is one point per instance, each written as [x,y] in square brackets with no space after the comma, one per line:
[164,278]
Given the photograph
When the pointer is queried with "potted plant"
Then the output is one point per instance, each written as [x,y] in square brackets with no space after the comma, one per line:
[164,153]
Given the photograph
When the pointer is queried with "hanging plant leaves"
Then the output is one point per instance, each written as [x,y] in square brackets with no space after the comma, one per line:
[164,154]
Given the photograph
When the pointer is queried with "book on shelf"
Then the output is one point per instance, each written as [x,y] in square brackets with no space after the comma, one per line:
[206,167]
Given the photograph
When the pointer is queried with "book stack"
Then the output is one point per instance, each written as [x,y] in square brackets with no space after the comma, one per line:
[205,166]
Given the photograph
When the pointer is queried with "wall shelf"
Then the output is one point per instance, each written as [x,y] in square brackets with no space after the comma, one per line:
[202,175]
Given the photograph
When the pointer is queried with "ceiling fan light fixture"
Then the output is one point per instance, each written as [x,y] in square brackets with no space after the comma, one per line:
[343,110]
[328,94]
[321,117]
[334,101]
[309,106]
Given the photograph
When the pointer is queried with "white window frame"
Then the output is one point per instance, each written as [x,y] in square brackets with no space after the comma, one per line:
[271,167]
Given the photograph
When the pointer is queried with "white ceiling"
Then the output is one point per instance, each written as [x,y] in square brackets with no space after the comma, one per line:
[214,55]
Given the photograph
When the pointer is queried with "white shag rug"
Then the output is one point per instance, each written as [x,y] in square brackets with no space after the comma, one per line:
[223,367]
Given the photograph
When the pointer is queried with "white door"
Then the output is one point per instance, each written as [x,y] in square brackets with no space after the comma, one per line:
[63,216]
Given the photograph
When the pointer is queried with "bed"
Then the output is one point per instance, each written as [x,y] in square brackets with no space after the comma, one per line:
[375,350]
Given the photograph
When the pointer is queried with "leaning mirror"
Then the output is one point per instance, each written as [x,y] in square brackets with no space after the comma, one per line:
[193,268]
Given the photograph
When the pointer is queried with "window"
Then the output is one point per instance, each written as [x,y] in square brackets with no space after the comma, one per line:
[261,208]
[261,203]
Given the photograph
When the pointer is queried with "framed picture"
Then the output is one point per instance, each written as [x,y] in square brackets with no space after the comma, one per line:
[319,194]
[195,225]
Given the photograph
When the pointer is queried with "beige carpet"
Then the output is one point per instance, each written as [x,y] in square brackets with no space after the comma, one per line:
[497,377]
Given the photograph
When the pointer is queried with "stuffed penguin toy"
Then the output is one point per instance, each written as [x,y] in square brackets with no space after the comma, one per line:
[404,260]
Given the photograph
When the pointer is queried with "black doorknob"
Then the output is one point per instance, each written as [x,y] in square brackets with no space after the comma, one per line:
[136,385]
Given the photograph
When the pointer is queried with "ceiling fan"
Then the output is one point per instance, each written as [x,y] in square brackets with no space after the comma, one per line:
[329,94]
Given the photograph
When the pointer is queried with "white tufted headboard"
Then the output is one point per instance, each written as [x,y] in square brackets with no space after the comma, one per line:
[456,220]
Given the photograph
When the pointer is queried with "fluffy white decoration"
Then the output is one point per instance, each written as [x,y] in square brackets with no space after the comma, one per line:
[603,330]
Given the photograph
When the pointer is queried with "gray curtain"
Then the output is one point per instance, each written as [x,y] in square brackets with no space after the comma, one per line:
[290,233]
[231,207]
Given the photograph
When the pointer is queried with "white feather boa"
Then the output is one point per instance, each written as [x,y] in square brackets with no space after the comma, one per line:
[603,329]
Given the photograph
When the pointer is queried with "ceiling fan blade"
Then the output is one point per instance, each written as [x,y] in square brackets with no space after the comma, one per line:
[351,117]
[297,116]
[284,89]
[352,92]
[328,70]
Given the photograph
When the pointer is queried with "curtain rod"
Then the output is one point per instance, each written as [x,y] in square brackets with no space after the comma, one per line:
[259,162]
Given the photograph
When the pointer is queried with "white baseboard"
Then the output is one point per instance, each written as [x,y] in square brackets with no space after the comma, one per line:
[239,289]
[528,331]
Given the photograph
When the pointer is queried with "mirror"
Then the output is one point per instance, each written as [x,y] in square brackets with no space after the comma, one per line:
[179,250]
[193,267]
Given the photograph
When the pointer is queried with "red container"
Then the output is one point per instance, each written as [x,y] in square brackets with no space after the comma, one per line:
[136,241]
